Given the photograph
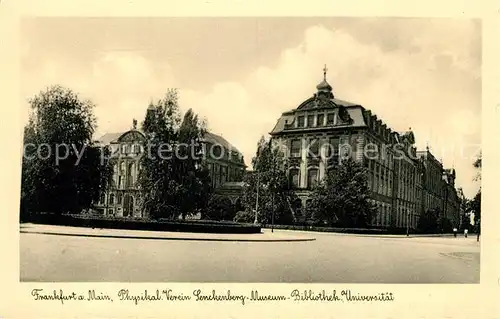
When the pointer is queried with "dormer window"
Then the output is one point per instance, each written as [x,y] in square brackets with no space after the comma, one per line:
[310,121]
[330,118]
[320,120]
[300,121]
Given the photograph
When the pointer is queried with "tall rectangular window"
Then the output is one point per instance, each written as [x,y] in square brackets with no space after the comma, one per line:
[310,121]
[313,150]
[312,177]
[294,178]
[320,120]
[332,148]
[300,121]
[330,119]
[296,148]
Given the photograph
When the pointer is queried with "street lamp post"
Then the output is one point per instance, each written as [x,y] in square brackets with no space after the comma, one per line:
[407,223]
[272,193]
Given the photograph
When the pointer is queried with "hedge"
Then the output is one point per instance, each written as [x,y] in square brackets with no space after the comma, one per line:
[368,231]
[330,229]
[194,226]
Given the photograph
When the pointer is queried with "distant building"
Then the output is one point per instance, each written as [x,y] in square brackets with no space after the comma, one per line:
[225,164]
[323,129]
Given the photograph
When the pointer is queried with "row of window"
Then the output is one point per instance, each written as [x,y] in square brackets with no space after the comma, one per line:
[127,149]
[220,174]
[121,167]
[316,120]
[433,202]
[112,200]
[406,216]
[383,214]
[379,128]
[122,182]
[312,177]
[332,147]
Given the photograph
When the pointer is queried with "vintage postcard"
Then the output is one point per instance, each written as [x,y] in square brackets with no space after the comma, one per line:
[248,161]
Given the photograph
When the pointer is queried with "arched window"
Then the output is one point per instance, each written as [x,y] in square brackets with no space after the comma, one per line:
[112,199]
[294,177]
[120,198]
[131,175]
[122,167]
[312,177]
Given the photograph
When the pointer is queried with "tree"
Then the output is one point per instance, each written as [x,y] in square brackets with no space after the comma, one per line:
[174,180]
[269,180]
[342,198]
[63,170]
[160,128]
[429,221]
[478,163]
[191,178]
[466,220]
[475,204]
[244,216]
[220,208]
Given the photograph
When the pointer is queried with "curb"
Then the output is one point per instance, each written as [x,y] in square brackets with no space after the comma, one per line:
[172,238]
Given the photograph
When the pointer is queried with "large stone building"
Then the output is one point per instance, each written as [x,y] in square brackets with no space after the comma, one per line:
[323,129]
[225,164]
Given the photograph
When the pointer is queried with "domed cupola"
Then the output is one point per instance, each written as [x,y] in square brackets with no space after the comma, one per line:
[324,88]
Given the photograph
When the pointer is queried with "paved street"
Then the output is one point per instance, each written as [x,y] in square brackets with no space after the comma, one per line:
[339,258]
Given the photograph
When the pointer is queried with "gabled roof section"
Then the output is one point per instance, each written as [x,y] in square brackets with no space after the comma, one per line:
[354,113]
[408,135]
[109,138]
[282,122]
[217,139]
[314,103]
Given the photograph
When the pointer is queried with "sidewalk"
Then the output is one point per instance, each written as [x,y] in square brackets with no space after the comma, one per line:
[158,235]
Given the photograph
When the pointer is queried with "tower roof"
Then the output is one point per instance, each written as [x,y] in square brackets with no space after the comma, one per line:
[324,85]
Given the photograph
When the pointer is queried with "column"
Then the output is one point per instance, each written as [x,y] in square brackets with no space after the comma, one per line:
[303,163]
[322,161]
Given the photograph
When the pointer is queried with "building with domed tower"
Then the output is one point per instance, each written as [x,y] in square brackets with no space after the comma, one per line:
[122,199]
[323,129]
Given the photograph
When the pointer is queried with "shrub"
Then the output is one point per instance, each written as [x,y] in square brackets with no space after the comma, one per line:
[219,208]
[142,224]
[244,217]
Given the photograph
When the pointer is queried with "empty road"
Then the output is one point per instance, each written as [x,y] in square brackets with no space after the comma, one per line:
[331,258]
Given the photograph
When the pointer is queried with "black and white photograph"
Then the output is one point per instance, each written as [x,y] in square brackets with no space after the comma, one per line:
[292,150]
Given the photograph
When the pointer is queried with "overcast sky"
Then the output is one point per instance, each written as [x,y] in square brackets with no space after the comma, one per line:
[240,74]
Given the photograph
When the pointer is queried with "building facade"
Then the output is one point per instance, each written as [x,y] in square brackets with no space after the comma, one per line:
[322,130]
[122,199]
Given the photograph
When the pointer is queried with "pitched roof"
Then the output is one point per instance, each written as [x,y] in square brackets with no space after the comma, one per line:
[217,139]
[109,138]
[355,112]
